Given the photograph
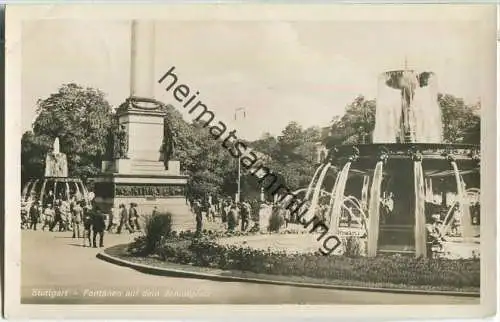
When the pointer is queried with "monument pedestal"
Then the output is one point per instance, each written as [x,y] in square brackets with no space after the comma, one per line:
[166,192]
[142,177]
[138,172]
[146,183]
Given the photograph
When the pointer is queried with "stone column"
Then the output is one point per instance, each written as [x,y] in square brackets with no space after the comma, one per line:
[142,59]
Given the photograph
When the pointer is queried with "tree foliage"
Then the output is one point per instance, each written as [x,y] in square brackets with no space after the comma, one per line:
[461,122]
[80,118]
[83,119]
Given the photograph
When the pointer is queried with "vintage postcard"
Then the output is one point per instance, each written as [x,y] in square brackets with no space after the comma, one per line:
[168,161]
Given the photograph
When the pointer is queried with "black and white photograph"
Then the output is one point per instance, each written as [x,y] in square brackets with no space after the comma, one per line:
[228,155]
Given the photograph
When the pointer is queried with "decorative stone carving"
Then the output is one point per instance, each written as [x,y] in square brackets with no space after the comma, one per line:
[121,143]
[148,190]
[169,142]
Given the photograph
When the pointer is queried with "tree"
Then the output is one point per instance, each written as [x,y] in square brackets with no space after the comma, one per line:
[356,125]
[81,118]
[462,122]
[33,151]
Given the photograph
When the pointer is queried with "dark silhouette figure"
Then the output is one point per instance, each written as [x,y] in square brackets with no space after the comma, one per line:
[121,143]
[124,220]
[98,226]
[168,145]
[34,214]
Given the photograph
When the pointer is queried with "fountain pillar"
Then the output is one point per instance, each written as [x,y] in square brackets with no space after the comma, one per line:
[374,210]
[420,231]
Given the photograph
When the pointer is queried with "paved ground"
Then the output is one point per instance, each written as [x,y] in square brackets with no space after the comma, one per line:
[56,269]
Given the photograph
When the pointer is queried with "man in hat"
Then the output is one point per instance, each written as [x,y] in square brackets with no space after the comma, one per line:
[48,216]
[197,209]
[134,217]
[34,214]
[245,214]
[232,217]
[87,223]
[76,220]
[98,226]
[433,235]
[124,219]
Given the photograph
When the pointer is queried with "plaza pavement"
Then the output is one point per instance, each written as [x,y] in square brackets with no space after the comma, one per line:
[56,269]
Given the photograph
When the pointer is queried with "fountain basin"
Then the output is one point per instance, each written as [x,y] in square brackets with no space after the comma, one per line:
[62,188]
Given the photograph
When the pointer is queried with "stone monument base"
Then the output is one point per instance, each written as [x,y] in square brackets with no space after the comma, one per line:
[167,193]
[145,183]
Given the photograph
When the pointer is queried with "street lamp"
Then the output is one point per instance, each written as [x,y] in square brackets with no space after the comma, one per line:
[241,111]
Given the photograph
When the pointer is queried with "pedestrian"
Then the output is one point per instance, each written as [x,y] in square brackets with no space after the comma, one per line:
[24,215]
[232,218]
[434,238]
[112,222]
[224,212]
[124,219]
[205,206]
[48,216]
[65,215]
[134,217]
[76,220]
[245,214]
[87,223]
[34,214]
[57,216]
[98,226]
[199,217]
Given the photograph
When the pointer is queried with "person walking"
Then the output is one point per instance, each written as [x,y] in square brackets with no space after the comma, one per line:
[232,218]
[124,219]
[112,220]
[48,216]
[24,215]
[34,214]
[224,212]
[134,217]
[245,214]
[198,212]
[98,226]
[434,238]
[76,220]
[57,216]
[65,215]
[87,223]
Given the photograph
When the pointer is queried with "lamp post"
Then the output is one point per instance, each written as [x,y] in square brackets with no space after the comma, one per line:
[240,111]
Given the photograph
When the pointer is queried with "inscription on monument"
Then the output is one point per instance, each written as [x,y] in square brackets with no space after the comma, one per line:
[149,190]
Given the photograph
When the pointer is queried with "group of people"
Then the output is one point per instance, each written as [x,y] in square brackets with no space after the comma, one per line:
[75,214]
[51,213]
[230,212]
[245,215]
[124,217]
[83,218]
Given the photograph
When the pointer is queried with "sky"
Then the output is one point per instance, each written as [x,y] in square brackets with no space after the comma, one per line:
[281,71]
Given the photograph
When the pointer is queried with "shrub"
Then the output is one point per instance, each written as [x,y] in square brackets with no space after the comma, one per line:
[354,246]
[276,221]
[157,228]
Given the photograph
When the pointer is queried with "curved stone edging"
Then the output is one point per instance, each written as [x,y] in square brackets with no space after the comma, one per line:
[181,273]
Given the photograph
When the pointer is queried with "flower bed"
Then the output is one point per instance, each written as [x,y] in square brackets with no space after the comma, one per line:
[209,251]
[393,269]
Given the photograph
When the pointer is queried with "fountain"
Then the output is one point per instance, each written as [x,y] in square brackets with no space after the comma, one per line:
[55,183]
[396,180]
